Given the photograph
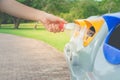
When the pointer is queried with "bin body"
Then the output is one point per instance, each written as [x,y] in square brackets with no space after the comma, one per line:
[85,54]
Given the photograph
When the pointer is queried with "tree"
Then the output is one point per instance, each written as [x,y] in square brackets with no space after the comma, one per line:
[82,9]
[1,15]
[52,6]
[89,8]
[16,20]
[70,9]
[109,6]
[4,18]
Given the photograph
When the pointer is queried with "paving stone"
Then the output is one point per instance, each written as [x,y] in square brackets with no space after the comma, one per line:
[29,59]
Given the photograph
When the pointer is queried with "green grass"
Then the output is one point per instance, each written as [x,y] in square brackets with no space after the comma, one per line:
[57,40]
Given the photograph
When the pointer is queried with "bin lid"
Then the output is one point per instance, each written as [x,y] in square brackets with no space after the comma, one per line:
[112,20]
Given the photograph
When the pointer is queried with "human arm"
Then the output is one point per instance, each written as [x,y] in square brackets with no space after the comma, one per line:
[17,9]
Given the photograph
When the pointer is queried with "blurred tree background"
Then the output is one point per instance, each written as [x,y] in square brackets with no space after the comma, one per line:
[67,9]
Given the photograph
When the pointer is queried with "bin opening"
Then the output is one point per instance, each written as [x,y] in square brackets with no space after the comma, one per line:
[114,39]
[91,31]
[111,46]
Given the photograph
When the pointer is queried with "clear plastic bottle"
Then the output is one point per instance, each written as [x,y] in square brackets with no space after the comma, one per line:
[68,26]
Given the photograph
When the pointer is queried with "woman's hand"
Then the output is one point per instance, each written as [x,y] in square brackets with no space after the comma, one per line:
[19,10]
[52,22]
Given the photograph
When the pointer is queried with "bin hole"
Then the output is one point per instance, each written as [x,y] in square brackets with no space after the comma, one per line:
[91,31]
[114,39]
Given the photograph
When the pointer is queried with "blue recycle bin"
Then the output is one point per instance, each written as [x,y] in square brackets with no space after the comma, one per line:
[112,43]
[93,52]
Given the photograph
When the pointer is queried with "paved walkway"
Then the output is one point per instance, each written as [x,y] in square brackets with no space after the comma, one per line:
[29,59]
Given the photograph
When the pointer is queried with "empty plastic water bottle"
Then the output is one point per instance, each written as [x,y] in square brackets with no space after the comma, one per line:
[68,26]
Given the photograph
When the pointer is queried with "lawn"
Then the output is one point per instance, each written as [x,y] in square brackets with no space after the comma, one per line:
[57,40]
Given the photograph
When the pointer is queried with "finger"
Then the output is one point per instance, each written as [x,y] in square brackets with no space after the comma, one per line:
[54,27]
[51,28]
[57,28]
[62,30]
